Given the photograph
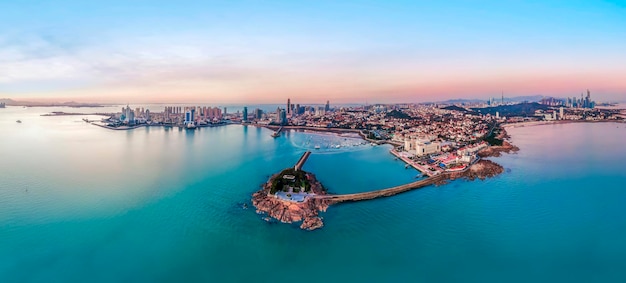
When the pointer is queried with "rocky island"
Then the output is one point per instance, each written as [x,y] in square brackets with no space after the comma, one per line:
[289,197]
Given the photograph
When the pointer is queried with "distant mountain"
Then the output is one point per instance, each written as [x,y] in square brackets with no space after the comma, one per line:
[456,108]
[531,98]
[515,99]
[11,102]
[461,101]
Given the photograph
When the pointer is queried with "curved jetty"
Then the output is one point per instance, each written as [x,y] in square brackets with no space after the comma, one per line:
[294,195]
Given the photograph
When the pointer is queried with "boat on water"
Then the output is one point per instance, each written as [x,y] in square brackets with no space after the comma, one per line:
[190,126]
[317,147]
[19,121]
[275,135]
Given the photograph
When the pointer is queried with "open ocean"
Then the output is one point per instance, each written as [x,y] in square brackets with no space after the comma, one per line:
[79,203]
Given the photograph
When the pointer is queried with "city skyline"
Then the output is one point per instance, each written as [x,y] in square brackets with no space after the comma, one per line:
[245,52]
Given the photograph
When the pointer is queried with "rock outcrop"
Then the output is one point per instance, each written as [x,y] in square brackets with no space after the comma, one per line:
[289,211]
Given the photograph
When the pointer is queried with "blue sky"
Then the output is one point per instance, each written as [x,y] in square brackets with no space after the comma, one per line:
[348,51]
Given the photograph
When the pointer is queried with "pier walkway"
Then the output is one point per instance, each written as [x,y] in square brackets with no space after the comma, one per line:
[384,192]
[301,161]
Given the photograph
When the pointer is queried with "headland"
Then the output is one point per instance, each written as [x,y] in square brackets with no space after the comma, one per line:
[294,195]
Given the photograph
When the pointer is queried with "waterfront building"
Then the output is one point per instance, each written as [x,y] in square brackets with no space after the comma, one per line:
[409,144]
[288,106]
[187,116]
[425,148]
[245,114]
[561,113]
[258,114]
[327,108]
[131,116]
[320,111]
[283,117]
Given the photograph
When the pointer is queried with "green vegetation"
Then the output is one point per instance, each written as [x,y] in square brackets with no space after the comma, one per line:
[279,183]
[398,115]
[521,109]
[492,140]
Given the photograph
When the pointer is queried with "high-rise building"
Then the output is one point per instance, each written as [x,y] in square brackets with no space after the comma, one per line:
[258,113]
[561,117]
[288,106]
[327,108]
[283,117]
[188,117]
[245,114]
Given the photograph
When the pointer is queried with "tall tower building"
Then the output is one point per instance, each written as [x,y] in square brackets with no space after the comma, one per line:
[245,114]
[288,105]
[283,117]
[327,108]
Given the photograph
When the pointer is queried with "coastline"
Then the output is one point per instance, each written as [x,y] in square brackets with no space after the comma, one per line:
[307,209]
[329,130]
[126,128]
[541,123]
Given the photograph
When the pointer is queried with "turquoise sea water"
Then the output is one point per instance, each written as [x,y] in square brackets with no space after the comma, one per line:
[79,203]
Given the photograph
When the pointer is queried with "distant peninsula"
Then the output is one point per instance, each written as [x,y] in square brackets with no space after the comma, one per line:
[11,102]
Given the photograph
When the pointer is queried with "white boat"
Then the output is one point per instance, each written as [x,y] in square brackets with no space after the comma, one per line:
[317,147]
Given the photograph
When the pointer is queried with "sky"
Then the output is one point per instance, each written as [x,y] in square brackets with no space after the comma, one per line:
[310,51]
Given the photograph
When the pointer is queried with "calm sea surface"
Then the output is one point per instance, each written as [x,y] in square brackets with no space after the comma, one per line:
[79,203]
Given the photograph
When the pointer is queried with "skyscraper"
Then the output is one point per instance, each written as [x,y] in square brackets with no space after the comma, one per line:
[288,105]
[283,117]
[245,114]
[327,108]
[188,117]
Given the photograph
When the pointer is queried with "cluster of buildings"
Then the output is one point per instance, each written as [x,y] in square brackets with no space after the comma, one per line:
[186,116]
[3,105]
[584,102]
[294,114]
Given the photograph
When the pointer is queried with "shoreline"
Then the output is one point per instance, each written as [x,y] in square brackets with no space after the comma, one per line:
[329,130]
[286,211]
[559,122]
[127,128]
